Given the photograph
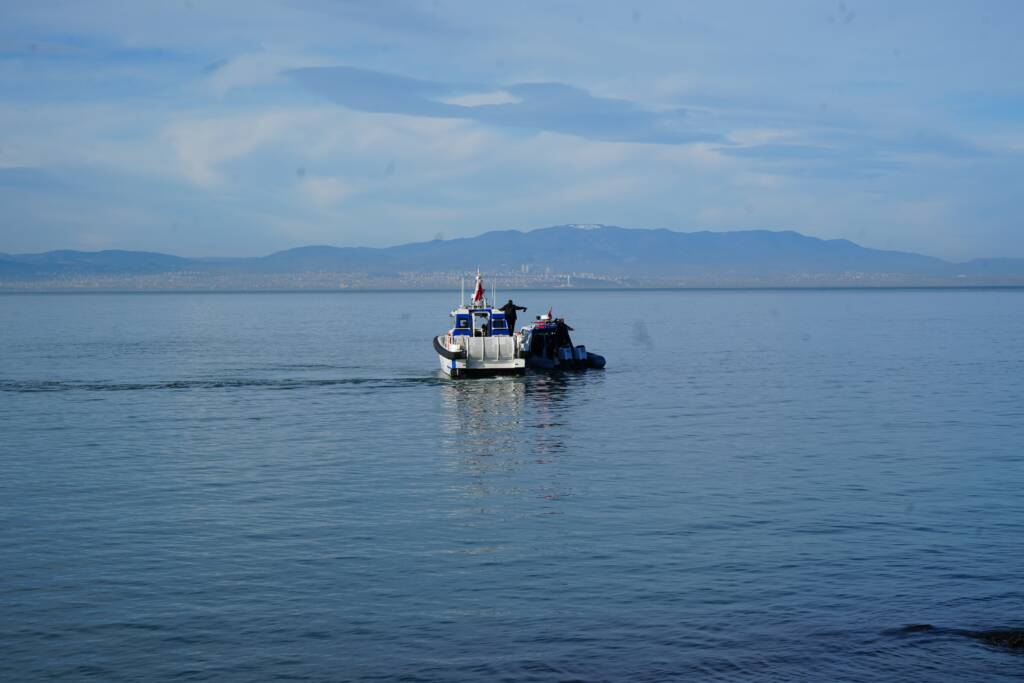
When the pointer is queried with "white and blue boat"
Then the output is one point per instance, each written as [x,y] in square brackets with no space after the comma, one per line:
[480,342]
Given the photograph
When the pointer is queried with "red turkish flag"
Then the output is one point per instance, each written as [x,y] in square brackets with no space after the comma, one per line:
[479,294]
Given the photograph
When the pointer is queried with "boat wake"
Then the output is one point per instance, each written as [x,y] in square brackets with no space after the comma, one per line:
[1008,638]
[42,386]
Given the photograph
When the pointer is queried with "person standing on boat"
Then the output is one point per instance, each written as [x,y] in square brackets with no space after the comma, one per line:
[562,331]
[509,310]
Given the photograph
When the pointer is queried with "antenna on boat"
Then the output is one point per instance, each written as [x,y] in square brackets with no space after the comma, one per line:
[462,292]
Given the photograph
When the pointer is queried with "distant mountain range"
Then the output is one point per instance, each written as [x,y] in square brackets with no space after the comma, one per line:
[594,252]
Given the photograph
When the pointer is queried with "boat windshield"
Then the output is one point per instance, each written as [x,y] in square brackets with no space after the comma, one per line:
[481,324]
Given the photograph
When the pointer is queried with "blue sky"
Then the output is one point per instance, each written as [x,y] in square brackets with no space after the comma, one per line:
[240,128]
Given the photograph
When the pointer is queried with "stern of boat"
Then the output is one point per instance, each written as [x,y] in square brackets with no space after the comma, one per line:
[465,356]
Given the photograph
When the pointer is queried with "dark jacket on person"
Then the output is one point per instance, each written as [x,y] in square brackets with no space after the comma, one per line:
[562,330]
[509,310]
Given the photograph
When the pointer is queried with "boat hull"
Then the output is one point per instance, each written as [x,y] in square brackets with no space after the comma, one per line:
[593,362]
[463,372]
[479,357]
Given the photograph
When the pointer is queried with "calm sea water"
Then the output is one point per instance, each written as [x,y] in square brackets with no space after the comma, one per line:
[761,486]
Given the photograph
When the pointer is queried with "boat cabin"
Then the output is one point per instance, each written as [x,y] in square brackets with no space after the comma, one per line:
[480,322]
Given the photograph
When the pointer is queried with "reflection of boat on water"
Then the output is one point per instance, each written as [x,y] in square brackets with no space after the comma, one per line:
[546,345]
[480,342]
[511,418]
[484,410]
[483,419]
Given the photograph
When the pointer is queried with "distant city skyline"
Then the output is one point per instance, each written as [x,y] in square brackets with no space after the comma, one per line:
[242,129]
[558,256]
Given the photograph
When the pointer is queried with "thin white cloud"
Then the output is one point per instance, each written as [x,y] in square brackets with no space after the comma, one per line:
[482,99]
[325,191]
[203,145]
[255,69]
